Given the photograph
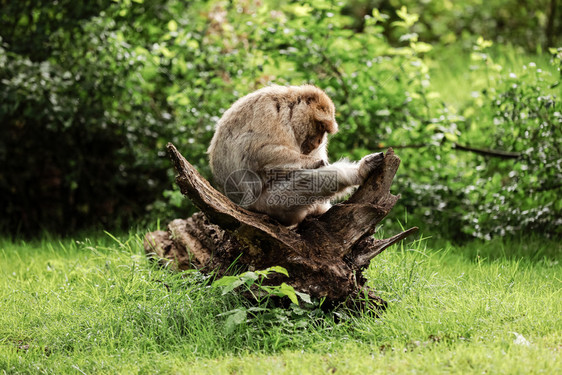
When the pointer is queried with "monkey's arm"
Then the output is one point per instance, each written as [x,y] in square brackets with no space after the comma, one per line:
[285,158]
[325,181]
[288,197]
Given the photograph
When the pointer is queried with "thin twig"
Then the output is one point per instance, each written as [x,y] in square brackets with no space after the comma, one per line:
[337,71]
[488,152]
[481,151]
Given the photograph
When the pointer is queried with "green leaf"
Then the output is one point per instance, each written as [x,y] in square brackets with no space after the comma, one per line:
[305,297]
[228,283]
[421,47]
[287,290]
[378,16]
[451,137]
[482,43]
[279,269]
[247,276]
[409,19]
[172,26]
[238,317]
[267,271]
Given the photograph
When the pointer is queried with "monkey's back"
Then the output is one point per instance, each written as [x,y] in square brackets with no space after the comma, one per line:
[245,131]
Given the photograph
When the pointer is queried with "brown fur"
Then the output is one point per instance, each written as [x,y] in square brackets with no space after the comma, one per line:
[281,128]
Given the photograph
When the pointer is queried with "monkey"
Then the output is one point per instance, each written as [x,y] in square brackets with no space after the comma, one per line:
[274,142]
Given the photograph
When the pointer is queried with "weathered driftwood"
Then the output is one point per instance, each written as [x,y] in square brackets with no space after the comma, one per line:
[324,255]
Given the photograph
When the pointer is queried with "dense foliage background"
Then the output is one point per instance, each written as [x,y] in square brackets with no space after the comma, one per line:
[469,92]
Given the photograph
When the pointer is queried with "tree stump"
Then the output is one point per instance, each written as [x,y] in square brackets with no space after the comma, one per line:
[324,255]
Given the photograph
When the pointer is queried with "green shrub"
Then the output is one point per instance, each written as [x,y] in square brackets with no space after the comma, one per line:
[77,127]
[86,118]
[529,24]
[522,194]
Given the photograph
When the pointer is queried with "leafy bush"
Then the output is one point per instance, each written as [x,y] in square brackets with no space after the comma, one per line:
[85,121]
[530,24]
[484,193]
[73,128]
[521,194]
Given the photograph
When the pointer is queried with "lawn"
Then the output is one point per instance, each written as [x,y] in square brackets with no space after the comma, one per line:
[96,305]
[467,92]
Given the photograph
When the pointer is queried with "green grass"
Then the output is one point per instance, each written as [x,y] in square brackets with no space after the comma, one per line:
[97,306]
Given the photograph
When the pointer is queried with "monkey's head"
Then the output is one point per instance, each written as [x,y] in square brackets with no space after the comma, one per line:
[317,112]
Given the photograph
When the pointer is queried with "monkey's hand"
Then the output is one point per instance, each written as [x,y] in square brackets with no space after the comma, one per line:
[308,162]
[368,164]
[319,164]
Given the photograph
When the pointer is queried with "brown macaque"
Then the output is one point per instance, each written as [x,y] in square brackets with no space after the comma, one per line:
[269,151]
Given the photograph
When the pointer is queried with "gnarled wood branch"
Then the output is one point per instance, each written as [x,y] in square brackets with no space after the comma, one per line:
[324,255]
